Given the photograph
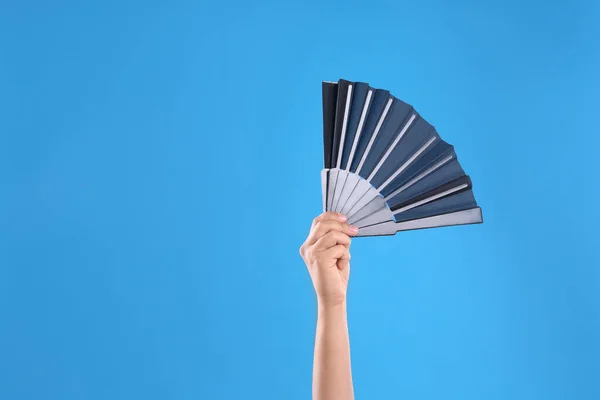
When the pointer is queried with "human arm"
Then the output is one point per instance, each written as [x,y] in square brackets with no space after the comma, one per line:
[326,253]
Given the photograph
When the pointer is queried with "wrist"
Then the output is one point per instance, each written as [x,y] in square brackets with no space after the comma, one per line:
[332,316]
[328,307]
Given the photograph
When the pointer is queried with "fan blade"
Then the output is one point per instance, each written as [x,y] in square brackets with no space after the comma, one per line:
[397,123]
[381,98]
[361,105]
[378,211]
[420,138]
[448,172]
[375,212]
[448,201]
[433,159]
[365,199]
[349,186]
[465,217]
[332,182]
[324,176]
[361,101]
[329,93]
[342,112]
[337,191]
[362,187]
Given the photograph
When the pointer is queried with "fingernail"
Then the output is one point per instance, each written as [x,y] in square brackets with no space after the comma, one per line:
[343,218]
[353,229]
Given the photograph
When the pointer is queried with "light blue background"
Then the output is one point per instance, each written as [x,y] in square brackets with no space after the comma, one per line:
[159,169]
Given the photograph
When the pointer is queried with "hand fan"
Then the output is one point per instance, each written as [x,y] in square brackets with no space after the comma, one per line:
[386,167]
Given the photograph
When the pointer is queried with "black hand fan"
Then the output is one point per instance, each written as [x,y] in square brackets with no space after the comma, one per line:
[386,167]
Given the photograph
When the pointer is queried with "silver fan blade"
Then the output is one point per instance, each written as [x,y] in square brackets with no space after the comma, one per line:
[374,205]
[363,201]
[337,191]
[359,191]
[378,217]
[351,182]
[471,216]
[333,175]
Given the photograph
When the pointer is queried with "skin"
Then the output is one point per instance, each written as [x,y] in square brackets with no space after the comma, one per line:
[326,253]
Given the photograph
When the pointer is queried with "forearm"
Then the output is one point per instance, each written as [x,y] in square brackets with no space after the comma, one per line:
[332,373]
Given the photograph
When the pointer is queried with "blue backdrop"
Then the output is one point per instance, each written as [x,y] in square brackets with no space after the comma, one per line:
[159,169]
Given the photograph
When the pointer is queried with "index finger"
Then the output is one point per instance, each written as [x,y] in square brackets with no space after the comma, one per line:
[321,228]
[330,215]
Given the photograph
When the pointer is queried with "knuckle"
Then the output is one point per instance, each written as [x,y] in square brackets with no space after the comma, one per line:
[329,234]
[323,227]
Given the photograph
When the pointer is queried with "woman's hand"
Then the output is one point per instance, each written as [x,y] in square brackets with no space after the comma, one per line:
[326,253]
